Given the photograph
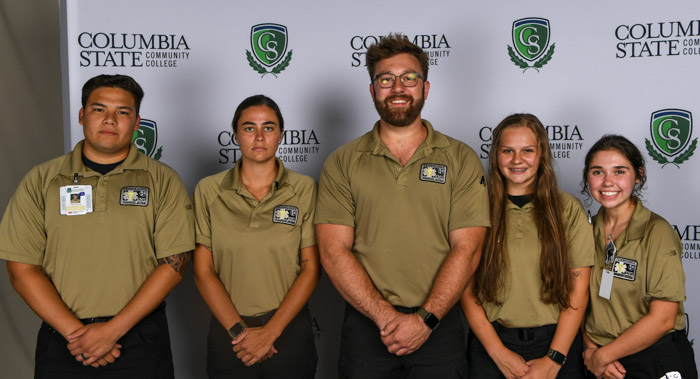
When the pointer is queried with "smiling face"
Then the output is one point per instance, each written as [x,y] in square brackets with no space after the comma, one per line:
[258,134]
[109,121]
[611,179]
[399,105]
[519,159]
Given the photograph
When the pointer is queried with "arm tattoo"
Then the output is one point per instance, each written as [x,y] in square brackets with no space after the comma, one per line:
[178,262]
[575,274]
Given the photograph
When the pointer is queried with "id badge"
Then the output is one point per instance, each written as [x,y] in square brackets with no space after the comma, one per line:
[76,200]
[606,281]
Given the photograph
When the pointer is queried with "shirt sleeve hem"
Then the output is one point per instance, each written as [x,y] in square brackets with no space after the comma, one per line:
[308,243]
[20,258]
[470,224]
[179,249]
[203,240]
[335,221]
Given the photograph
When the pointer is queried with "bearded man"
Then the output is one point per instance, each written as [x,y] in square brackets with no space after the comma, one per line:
[401,216]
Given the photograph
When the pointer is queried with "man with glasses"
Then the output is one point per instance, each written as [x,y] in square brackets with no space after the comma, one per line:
[401,216]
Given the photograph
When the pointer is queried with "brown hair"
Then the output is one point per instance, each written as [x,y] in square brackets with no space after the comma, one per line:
[395,44]
[554,263]
[628,150]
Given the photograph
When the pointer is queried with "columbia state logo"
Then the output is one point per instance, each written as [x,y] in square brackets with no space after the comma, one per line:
[432,172]
[268,44]
[146,137]
[671,132]
[285,214]
[531,41]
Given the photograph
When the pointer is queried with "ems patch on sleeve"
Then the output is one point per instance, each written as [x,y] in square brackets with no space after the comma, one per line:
[134,196]
[625,268]
[285,214]
[432,172]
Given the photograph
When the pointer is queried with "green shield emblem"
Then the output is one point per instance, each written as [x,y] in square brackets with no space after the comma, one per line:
[269,43]
[671,130]
[145,139]
[531,37]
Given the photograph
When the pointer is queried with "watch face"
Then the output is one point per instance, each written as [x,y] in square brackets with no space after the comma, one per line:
[236,329]
[431,320]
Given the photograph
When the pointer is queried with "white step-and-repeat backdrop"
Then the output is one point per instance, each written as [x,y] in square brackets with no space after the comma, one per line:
[586,69]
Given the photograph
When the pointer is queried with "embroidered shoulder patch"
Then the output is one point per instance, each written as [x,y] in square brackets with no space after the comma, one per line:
[285,214]
[625,268]
[134,196]
[432,172]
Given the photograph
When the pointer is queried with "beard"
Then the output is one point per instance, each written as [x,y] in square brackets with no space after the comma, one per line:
[398,117]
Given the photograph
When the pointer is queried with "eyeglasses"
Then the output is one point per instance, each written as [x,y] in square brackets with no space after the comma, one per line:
[408,79]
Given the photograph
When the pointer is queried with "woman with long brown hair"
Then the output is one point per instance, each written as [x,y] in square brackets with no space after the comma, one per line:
[530,291]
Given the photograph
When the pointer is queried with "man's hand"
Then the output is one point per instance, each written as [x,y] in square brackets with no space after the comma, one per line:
[254,345]
[405,334]
[94,342]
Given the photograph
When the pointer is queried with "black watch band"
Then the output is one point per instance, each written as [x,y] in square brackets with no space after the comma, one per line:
[556,356]
[237,329]
[428,318]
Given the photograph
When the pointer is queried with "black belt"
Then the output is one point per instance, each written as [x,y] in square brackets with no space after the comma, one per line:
[94,320]
[525,334]
[258,321]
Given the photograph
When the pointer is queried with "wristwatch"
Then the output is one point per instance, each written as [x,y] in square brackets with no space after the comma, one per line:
[556,356]
[237,329]
[428,318]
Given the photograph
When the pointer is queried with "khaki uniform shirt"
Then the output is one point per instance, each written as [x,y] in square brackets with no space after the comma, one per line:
[648,266]
[99,260]
[402,215]
[255,245]
[522,295]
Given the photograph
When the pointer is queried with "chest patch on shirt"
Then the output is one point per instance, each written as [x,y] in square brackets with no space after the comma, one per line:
[625,268]
[285,214]
[432,172]
[134,196]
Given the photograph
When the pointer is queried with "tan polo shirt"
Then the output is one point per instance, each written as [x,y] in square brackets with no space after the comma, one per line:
[402,216]
[648,266]
[98,261]
[255,245]
[522,300]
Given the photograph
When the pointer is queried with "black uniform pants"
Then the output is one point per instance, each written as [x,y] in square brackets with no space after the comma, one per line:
[364,356]
[145,353]
[672,353]
[530,343]
[296,357]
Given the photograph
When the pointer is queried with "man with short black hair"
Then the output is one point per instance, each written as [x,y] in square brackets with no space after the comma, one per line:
[94,242]
[401,216]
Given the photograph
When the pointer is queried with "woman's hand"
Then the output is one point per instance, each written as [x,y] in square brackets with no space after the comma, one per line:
[511,364]
[254,345]
[542,368]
